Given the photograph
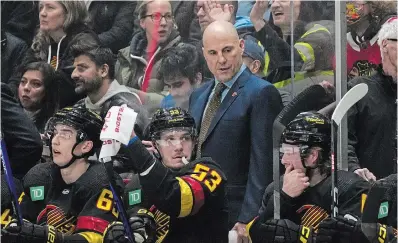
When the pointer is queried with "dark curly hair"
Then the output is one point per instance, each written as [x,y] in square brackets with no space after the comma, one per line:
[181,61]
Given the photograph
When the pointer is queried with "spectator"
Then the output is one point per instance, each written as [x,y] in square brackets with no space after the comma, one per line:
[180,69]
[60,23]
[372,149]
[20,135]
[313,48]
[233,112]
[38,93]
[364,20]
[184,13]
[148,46]
[113,22]
[94,75]
[20,18]
[253,57]
[13,50]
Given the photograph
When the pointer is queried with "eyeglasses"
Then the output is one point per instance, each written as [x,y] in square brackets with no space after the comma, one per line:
[157,17]
[392,39]
[65,135]
[289,150]
[172,141]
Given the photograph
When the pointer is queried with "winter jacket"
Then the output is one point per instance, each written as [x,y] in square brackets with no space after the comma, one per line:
[313,55]
[131,62]
[372,126]
[20,18]
[187,21]
[131,66]
[113,22]
[23,142]
[13,50]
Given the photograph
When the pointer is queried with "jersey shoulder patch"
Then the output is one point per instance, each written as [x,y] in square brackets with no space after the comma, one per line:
[39,178]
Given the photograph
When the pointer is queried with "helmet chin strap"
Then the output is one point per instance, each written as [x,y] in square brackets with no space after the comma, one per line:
[308,169]
[74,158]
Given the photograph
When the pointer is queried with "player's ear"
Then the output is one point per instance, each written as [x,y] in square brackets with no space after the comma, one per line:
[312,157]
[87,146]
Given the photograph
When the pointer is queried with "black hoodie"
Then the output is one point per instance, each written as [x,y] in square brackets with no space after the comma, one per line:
[372,126]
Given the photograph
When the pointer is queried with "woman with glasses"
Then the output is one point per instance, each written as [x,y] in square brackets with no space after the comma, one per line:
[186,196]
[147,48]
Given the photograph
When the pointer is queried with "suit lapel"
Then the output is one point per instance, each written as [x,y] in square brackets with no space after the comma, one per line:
[232,94]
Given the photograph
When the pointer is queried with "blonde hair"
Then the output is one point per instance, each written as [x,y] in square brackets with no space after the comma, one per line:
[75,14]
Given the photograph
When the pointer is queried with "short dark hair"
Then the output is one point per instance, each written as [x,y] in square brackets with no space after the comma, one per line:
[98,54]
[183,60]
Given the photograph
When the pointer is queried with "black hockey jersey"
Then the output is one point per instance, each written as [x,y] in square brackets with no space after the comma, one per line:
[314,204]
[7,210]
[189,205]
[84,207]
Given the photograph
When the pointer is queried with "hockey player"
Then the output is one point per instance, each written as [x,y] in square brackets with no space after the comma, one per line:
[305,198]
[67,200]
[187,198]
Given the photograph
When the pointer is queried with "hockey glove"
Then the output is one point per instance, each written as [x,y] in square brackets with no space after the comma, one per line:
[280,230]
[30,233]
[142,224]
[339,230]
[375,232]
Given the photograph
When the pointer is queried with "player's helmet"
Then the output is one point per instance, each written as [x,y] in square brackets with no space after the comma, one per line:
[165,119]
[86,122]
[309,129]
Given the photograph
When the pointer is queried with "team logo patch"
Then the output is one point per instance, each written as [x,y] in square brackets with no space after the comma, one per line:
[383,210]
[37,193]
[135,197]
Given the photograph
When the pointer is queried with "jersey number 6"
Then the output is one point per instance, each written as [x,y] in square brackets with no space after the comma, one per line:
[202,173]
[105,202]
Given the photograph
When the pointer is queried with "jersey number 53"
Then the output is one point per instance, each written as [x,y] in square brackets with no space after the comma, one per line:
[209,177]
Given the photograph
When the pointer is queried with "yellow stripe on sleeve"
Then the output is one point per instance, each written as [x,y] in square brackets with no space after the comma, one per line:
[186,198]
[92,237]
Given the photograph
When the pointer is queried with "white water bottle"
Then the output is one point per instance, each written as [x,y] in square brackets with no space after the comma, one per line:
[232,236]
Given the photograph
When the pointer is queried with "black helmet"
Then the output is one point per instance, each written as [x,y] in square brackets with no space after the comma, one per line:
[86,122]
[308,128]
[171,118]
